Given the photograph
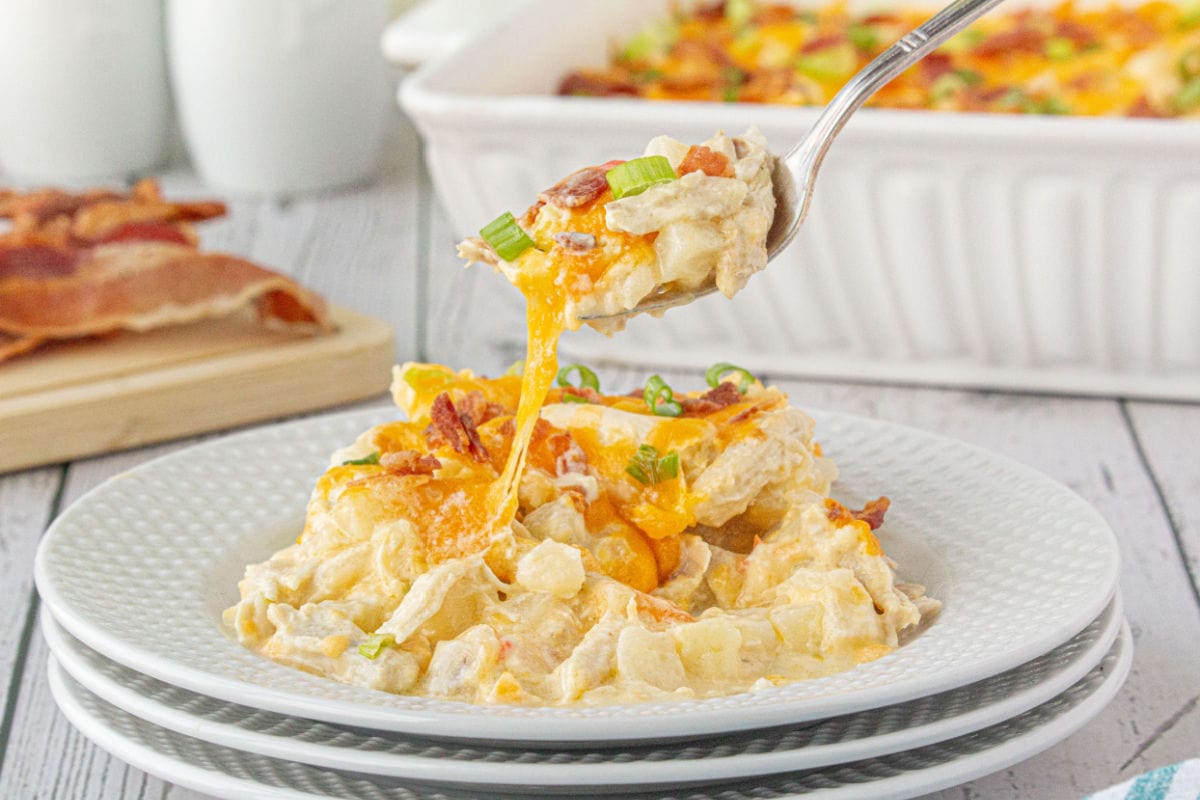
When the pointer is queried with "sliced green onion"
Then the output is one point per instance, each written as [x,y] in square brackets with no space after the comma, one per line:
[963,42]
[864,37]
[516,368]
[373,458]
[587,378]
[647,468]
[506,237]
[1189,64]
[1059,48]
[739,12]
[1188,97]
[668,466]
[652,41]
[1190,16]
[717,371]
[636,176]
[831,63]
[969,76]
[375,644]
[660,398]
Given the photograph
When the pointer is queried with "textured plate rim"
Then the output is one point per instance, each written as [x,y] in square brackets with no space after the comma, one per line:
[907,784]
[481,724]
[512,773]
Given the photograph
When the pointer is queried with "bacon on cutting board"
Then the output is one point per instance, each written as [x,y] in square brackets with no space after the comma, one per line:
[144,285]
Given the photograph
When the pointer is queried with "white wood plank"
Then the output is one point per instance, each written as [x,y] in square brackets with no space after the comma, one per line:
[1170,438]
[1086,445]
[26,502]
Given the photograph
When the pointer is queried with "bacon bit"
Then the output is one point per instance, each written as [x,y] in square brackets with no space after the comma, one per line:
[724,394]
[586,392]
[613,162]
[528,219]
[35,261]
[506,647]
[582,83]
[1020,40]
[574,242]
[409,462]
[871,513]
[935,65]
[1142,109]
[823,43]
[702,159]
[581,187]
[1079,34]
[448,427]
[881,19]
[474,405]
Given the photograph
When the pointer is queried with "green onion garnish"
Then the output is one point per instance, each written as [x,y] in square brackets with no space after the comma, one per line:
[717,371]
[587,378]
[738,12]
[647,468]
[375,644]
[660,398]
[1188,97]
[636,176]
[1059,48]
[864,37]
[1189,64]
[373,458]
[506,237]
[516,368]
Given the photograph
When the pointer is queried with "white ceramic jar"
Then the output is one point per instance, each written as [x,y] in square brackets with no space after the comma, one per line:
[279,96]
[83,89]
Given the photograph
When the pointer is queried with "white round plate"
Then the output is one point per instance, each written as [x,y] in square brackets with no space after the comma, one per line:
[852,737]
[141,568]
[237,775]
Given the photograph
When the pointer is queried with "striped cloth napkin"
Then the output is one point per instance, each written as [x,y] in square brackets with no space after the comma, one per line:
[1177,782]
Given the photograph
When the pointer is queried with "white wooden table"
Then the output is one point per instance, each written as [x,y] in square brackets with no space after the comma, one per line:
[386,250]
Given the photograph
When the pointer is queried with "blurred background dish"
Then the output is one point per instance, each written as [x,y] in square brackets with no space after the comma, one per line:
[1034,252]
[280,96]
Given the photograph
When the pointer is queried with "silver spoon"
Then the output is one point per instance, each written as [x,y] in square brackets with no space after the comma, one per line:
[796,172]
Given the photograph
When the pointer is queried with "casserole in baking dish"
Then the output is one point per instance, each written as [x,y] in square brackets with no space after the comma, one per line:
[1034,252]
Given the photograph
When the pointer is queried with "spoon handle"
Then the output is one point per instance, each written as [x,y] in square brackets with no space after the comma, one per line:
[803,160]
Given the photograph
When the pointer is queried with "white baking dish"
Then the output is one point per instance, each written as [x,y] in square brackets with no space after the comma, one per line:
[1043,253]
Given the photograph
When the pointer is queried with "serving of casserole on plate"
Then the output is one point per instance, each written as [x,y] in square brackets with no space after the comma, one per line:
[1044,252]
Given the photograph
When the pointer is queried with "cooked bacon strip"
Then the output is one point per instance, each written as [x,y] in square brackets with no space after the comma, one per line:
[722,395]
[101,215]
[448,427]
[409,462]
[145,285]
[702,159]
[16,345]
[871,513]
[585,392]
[577,189]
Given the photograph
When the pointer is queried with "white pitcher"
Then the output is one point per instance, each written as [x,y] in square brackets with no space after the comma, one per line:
[279,96]
[83,89]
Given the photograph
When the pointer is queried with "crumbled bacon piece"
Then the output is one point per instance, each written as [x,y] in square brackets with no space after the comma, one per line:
[871,513]
[581,187]
[722,395]
[574,242]
[586,392]
[588,85]
[702,159]
[1019,40]
[409,462]
[448,427]
[474,405]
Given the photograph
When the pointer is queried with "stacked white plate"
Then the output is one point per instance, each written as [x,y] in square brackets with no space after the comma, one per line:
[1030,645]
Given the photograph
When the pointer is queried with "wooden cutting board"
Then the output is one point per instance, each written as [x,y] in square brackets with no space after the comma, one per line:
[99,395]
